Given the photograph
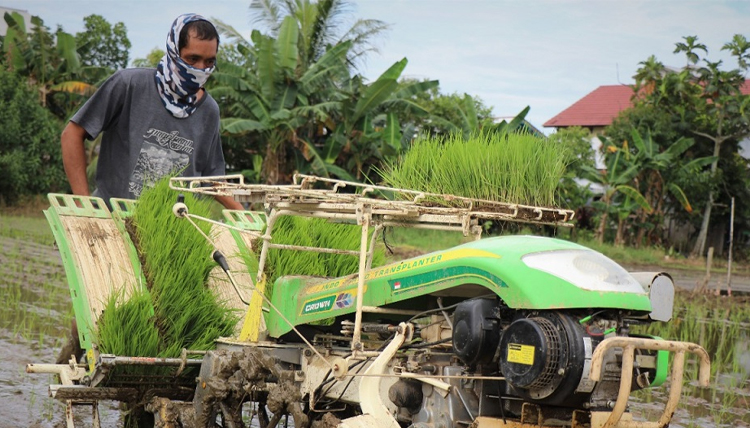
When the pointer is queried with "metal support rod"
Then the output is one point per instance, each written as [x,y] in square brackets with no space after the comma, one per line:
[379,310]
[270,220]
[111,361]
[314,249]
[626,381]
[365,214]
[678,364]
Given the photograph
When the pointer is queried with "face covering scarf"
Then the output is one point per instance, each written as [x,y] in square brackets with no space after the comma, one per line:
[177,82]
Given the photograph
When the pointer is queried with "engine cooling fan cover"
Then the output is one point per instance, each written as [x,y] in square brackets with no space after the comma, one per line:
[532,353]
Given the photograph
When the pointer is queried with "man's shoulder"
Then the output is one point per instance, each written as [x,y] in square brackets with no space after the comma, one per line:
[211,102]
[135,75]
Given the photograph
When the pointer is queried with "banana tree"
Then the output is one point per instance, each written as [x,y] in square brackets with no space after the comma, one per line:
[273,99]
[49,62]
[655,186]
[367,131]
[616,179]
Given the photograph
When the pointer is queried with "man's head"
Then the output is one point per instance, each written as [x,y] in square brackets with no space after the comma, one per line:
[198,44]
[192,45]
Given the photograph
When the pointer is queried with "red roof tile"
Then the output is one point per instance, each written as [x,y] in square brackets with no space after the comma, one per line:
[601,106]
[598,108]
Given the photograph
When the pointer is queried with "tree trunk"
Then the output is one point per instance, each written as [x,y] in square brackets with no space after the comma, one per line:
[602,227]
[619,240]
[271,169]
[700,243]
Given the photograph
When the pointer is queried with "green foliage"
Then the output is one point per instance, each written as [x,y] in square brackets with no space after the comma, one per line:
[49,62]
[447,113]
[293,102]
[576,143]
[513,168]
[102,44]
[30,156]
[176,262]
[702,101]
[616,181]
[152,58]
[367,132]
[276,104]
[319,27]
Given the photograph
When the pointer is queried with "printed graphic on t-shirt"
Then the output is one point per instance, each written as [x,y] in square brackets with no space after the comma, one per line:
[170,140]
[154,162]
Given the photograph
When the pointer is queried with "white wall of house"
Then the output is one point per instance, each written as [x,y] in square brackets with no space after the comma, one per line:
[745,148]
[4,25]
[596,145]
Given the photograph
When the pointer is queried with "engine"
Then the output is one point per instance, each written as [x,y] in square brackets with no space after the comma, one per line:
[537,357]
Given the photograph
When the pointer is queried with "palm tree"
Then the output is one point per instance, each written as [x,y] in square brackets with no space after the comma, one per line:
[320,26]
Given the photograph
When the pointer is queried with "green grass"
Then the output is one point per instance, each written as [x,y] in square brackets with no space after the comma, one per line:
[36,307]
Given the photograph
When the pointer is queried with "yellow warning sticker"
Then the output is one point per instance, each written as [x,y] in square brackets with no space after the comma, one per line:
[520,354]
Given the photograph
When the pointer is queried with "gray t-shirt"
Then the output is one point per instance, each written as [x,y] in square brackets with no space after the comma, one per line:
[142,141]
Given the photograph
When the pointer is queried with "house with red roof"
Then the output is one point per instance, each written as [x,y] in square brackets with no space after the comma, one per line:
[599,108]
[596,110]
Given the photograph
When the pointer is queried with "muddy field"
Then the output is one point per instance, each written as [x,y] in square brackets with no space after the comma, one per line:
[34,321]
[36,314]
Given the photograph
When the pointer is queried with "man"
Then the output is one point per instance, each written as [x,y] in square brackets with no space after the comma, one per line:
[155,122]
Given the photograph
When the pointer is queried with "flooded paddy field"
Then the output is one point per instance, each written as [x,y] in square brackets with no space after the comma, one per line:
[36,313]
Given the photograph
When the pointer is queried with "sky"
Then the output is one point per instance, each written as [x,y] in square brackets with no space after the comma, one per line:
[511,54]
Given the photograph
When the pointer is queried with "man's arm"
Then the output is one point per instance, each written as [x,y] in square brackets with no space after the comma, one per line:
[229,203]
[74,158]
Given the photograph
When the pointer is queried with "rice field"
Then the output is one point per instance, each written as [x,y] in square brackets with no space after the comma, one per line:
[36,315]
[722,326]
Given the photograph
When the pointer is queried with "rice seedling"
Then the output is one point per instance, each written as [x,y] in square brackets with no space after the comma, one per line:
[177,310]
[315,232]
[714,322]
[126,327]
[27,228]
[512,168]
[721,326]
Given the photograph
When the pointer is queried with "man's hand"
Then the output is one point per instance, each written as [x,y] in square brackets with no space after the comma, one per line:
[229,203]
[74,158]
